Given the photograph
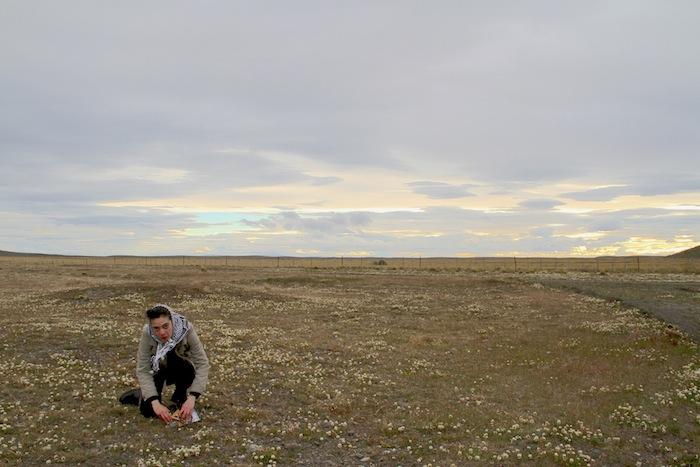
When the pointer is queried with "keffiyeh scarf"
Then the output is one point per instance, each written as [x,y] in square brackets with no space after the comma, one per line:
[180,328]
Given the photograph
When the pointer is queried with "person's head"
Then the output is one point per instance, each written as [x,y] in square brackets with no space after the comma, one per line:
[161,321]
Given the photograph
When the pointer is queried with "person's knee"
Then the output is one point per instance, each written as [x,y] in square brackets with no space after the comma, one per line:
[181,370]
[188,371]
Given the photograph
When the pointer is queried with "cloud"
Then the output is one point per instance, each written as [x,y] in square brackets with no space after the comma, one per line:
[599,194]
[540,204]
[71,229]
[656,246]
[195,173]
[447,90]
[326,224]
[662,184]
[124,174]
[318,105]
[440,190]
[434,231]
[542,232]
[641,246]
[606,225]
[583,250]
[320,181]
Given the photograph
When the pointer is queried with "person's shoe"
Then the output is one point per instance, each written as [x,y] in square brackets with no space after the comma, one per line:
[131,397]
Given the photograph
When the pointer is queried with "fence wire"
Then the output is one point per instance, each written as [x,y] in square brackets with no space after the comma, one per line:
[514,264]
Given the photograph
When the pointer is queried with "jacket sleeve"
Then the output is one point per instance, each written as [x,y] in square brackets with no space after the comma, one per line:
[143,366]
[200,362]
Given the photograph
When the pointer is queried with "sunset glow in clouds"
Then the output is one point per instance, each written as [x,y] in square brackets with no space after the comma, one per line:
[386,129]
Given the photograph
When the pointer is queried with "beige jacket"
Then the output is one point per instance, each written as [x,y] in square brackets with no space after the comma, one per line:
[190,348]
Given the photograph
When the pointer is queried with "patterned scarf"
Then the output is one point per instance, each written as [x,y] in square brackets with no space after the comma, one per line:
[180,328]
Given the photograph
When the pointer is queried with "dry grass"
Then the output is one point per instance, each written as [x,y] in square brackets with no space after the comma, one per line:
[344,367]
[624,264]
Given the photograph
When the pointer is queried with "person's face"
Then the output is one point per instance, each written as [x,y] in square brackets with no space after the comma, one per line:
[162,328]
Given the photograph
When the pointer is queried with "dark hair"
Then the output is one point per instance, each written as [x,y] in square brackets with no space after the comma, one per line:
[158,311]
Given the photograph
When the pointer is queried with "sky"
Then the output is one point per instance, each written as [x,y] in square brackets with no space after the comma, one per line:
[367,128]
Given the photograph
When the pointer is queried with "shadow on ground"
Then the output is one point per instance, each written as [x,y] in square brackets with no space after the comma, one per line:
[675,301]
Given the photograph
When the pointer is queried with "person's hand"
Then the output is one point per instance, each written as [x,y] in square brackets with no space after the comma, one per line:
[161,411]
[187,408]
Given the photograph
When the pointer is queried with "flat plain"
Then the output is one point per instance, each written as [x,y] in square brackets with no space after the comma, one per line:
[352,367]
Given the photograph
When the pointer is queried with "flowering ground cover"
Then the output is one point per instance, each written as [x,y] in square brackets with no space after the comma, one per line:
[331,367]
[675,298]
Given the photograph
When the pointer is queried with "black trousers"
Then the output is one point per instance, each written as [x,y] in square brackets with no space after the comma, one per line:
[177,371]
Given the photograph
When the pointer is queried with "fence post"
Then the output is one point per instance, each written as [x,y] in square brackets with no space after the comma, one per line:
[515,264]
[420,262]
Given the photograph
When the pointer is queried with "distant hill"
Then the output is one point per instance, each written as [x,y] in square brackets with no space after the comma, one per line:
[10,253]
[14,253]
[689,253]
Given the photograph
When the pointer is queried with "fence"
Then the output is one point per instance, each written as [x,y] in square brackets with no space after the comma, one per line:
[512,264]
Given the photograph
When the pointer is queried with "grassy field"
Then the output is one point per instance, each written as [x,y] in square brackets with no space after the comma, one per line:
[345,367]
[675,298]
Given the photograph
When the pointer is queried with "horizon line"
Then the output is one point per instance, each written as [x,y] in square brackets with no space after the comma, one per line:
[6,253]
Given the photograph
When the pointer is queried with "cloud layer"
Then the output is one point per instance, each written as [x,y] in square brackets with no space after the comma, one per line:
[463,128]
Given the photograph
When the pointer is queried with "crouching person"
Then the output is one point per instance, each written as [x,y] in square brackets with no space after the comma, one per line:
[169,353]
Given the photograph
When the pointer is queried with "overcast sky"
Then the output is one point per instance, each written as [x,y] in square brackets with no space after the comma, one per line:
[384,128]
